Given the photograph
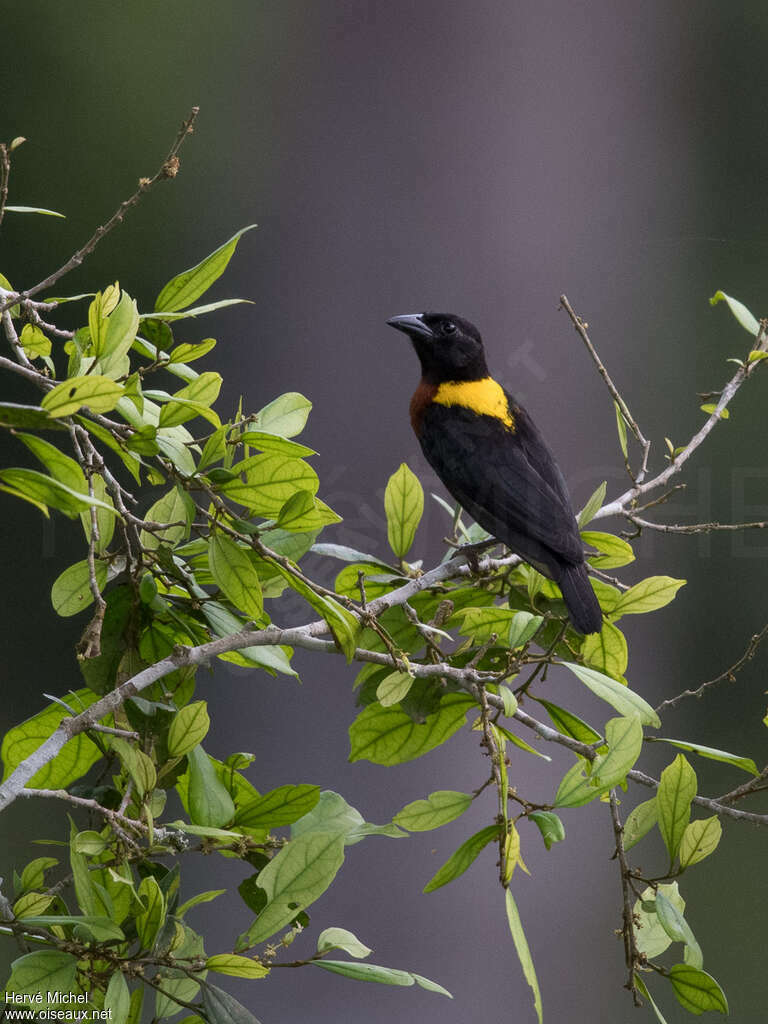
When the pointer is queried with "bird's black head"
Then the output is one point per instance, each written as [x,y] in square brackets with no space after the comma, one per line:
[448,347]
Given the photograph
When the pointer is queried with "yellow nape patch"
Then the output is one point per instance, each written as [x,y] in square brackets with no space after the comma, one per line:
[485,397]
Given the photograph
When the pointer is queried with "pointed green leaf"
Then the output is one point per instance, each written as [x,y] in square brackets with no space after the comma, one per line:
[606,651]
[286,415]
[98,393]
[393,688]
[236,575]
[652,940]
[46,972]
[739,310]
[624,700]
[639,822]
[614,552]
[222,1008]
[699,840]
[438,809]
[677,789]
[648,595]
[551,827]
[295,878]
[403,505]
[745,763]
[236,966]
[462,858]
[678,929]
[209,800]
[595,502]
[279,807]
[340,938]
[71,591]
[523,952]
[696,990]
[182,290]
[189,727]
[389,736]
[270,480]
[624,737]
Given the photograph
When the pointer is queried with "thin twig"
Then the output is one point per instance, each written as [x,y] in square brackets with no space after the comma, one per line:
[728,675]
[631,952]
[647,524]
[5,173]
[581,329]
[167,170]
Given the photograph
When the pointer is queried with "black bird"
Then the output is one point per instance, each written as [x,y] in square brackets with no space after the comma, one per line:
[492,458]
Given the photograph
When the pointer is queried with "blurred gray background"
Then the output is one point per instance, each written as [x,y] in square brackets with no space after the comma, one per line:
[482,158]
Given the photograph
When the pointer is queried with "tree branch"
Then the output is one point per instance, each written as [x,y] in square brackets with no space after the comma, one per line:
[168,169]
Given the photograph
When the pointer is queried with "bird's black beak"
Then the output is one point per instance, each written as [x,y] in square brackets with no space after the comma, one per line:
[412,325]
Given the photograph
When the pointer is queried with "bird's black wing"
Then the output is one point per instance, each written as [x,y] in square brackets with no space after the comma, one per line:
[507,480]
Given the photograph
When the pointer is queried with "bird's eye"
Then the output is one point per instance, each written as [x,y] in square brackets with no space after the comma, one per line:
[449,327]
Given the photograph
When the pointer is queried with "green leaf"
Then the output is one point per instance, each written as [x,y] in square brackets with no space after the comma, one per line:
[28,417]
[42,489]
[71,591]
[101,928]
[235,574]
[551,827]
[34,342]
[209,800]
[189,728]
[696,990]
[98,393]
[343,624]
[33,875]
[614,552]
[569,724]
[188,352]
[222,1008]
[624,737]
[393,688]
[151,918]
[643,990]
[621,426]
[739,310]
[270,480]
[389,736]
[755,355]
[639,822]
[47,972]
[647,595]
[606,651]
[524,626]
[286,415]
[281,806]
[677,788]
[236,966]
[595,503]
[710,407]
[621,698]
[745,763]
[117,1001]
[195,901]
[122,325]
[652,940]
[438,809]
[678,929]
[699,840]
[35,209]
[366,972]
[340,938]
[90,843]
[182,290]
[521,744]
[193,399]
[295,878]
[333,814]
[523,952]
[480,623]
[510,701]
[576,788]
[403,505]
[169,316]
[174,508]
[73,760]
[462,858]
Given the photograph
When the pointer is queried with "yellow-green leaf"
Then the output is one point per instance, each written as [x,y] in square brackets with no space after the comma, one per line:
[98,393]
[182,290]
[235,574]
[403,505]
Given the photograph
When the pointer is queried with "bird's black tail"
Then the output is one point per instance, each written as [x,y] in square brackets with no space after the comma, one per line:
[580,600]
